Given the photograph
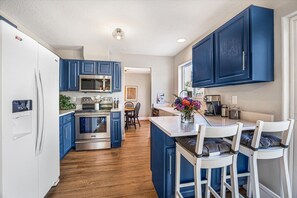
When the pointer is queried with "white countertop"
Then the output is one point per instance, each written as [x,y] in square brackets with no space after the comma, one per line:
[169,110]
[172,126]
[65,112]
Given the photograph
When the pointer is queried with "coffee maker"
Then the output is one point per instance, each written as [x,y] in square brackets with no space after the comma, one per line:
[213,105]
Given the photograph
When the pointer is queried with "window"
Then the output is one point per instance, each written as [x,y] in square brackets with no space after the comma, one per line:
[185,81]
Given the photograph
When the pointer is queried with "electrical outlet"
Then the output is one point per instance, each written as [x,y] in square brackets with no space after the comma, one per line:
[234,100]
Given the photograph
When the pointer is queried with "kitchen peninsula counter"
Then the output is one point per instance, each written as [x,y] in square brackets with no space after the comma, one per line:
[172,126]
[163,133]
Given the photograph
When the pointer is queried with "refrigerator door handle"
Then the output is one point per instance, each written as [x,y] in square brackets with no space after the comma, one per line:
[37,112]
[42,114]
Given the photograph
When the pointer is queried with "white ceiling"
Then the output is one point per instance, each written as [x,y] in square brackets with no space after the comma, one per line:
[151,26]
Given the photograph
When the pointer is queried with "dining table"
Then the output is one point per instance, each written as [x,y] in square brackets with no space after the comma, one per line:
[128,110]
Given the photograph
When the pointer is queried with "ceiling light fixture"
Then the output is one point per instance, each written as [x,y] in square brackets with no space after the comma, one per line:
[180,40]
[118,34]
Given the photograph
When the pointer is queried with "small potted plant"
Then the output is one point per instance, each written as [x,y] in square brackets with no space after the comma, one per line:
[187,106]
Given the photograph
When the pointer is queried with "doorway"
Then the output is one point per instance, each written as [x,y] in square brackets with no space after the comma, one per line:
[289,24]
[138,83]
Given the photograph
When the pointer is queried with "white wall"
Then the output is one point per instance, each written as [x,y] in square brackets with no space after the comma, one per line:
[260,97]
[143,81]
[161,71]
[27,32]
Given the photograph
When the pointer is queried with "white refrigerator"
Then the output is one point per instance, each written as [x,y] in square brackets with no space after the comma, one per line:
[29,119]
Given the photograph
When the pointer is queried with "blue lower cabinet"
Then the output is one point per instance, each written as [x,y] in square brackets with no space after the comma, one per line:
[67,137]
[116,130]
[163,167]
[67,134]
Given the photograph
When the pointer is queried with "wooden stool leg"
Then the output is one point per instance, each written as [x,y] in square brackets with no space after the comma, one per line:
[249,180]
[197,179]
[208,177]
[255,177]
[285,174]
[234,178]
[223,180]
[177,173]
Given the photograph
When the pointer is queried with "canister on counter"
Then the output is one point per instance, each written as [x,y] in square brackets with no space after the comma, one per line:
[224,111]
[234,113]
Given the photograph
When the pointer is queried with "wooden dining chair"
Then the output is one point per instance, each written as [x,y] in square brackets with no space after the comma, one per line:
[135,115]
[197,153]
[128,104]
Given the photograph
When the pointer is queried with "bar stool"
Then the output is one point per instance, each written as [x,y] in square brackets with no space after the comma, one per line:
[195,151]
[257,145]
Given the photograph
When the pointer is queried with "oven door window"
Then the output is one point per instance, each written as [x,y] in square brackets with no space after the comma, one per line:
[92,84]
[92,125]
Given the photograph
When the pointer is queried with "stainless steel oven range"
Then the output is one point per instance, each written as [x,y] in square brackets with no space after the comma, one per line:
[92,127]
[92,130]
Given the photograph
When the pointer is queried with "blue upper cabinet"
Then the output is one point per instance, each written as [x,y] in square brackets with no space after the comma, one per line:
[243,51]
[104,68]
[203,64]
[117,77]
[232,49]
[63,75]
[88,68]
[73,75]
[71,69]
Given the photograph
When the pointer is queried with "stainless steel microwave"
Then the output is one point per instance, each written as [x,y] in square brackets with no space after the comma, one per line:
[95,83]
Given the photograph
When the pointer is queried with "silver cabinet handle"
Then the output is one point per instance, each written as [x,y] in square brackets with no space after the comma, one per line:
[170,164]
[243,61]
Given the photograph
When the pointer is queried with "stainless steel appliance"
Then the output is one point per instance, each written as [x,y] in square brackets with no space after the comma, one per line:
[92,127]
[106,104]
[224,111]
[95,83]
[234,113]
[213,105]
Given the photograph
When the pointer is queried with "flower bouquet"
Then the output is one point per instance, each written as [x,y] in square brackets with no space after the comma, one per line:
[187,106]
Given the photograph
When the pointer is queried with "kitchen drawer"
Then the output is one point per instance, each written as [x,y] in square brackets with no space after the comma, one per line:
[115,115]
[67,118]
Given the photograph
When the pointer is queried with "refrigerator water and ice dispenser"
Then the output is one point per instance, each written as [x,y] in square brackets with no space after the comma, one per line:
[21,118]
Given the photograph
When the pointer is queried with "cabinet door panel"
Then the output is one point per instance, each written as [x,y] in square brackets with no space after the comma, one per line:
[170,172]
[73,75]
[116,132]
[67,137]
[104,68]
[88,68]
[232,49]
[116,78]
[203,67]
[63,77]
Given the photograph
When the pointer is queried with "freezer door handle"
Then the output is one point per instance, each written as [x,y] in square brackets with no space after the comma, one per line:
[37,112]
[42,114]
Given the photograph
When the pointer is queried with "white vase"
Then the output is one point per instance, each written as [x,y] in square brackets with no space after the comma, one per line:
[96,106]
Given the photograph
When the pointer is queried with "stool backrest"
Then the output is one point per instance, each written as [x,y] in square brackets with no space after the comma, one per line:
[286,127]
[219,132]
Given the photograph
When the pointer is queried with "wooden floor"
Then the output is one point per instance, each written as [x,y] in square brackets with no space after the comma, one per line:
[123,172]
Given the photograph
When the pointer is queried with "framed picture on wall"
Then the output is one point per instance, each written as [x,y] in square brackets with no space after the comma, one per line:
[131,93]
